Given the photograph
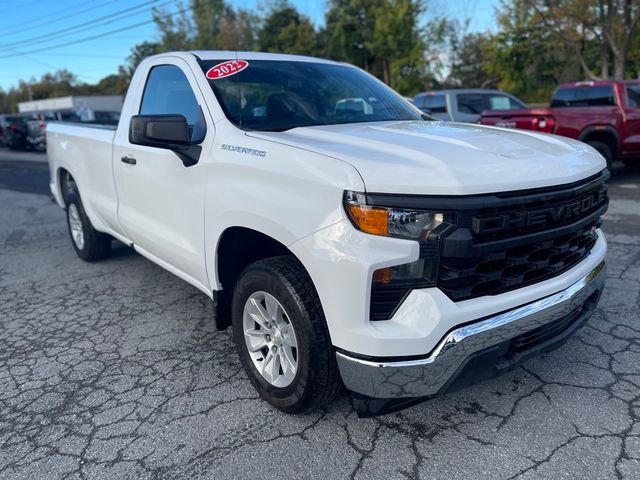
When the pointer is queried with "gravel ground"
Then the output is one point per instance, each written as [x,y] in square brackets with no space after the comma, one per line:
[114,370]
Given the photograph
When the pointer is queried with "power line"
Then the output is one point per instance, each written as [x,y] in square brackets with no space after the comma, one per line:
[90,24]
[92,37]
[85,55]
[48,20]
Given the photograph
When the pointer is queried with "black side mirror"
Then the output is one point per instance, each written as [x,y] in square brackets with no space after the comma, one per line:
[170,132]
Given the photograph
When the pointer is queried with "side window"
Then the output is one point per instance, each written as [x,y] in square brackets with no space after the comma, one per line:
[584,97]
[435,103]
[502,102]
[594,97]
[168,92]
[471,103]
[70,117]
[419,101]
[563,97]
[633,96]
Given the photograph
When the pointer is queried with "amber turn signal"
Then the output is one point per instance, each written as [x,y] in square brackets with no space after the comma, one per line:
[382,276]
[370,219]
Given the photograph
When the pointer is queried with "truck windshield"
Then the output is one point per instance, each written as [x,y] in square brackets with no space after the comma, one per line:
[280,95]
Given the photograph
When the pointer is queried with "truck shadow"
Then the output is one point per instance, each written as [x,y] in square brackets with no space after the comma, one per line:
[121,251]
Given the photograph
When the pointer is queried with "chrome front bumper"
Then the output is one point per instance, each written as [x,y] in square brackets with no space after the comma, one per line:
[491,340]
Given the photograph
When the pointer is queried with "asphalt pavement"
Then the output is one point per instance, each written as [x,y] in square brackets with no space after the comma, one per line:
[114,370]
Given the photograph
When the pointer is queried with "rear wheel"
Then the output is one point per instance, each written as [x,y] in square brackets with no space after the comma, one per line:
[281,336]
[18,143]
[89,244]
[604,150]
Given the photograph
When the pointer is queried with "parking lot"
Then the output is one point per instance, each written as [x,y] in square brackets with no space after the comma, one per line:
[114,370]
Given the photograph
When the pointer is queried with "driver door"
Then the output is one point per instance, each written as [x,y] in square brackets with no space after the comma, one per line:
[160,201]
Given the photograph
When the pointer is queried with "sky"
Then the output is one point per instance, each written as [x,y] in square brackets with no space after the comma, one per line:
[91,38]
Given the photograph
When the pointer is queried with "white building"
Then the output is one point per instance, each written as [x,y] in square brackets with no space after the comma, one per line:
[112,103]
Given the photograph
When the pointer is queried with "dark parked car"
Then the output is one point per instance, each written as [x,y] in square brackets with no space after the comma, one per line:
[14,131]
[4,123]
[28,131]
[464,105]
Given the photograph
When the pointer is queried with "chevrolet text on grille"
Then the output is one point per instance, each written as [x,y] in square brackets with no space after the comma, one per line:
[540,216]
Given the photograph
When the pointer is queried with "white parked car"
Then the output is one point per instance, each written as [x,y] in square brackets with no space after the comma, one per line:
[364,246]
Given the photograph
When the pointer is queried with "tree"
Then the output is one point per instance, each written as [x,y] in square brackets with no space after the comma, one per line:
[115,84]
[398,43]
[138,53]
[206,25]
[526,57]
[238,30]
[383,37]
[619,23]
[206,19]
[633,59]
[348,32]
[611,24]
[176,30]
[285,30]
[470,64]
[57,84]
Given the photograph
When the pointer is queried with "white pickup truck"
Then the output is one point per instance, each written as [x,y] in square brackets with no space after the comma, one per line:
[346,238]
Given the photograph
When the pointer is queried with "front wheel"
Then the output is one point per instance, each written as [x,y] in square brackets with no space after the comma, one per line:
[89,244]
[281,336]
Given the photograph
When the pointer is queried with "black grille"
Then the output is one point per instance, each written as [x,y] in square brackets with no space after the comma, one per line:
[503,270]
[385,299]
[527,341]
[530,340]
[491,244]
[508,251]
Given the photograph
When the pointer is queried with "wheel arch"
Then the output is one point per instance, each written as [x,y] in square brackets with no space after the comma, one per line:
[605,133]
[237,248]
[64,186]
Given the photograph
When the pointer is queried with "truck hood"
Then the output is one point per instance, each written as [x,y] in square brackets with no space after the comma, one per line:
[438,158]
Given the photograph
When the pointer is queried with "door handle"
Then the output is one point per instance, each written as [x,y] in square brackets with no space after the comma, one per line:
[129,160]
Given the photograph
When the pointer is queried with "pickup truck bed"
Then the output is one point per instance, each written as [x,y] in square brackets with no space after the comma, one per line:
[93,144]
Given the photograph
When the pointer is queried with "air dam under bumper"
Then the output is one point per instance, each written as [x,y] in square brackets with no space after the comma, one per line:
[481,349]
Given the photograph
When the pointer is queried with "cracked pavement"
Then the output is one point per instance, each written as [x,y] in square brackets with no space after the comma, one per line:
[114,370]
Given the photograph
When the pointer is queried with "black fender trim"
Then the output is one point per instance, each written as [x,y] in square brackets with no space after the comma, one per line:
[597,129]
[221,309]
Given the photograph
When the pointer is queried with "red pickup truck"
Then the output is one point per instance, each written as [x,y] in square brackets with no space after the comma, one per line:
[605,114]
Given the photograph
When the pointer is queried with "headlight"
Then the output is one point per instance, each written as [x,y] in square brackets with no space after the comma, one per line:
[390,285]
[393,222]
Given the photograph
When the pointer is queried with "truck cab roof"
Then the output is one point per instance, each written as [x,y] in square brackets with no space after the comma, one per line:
[232,54]
[598,83]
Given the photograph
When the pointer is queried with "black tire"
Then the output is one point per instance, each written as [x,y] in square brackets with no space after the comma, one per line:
[317,380]
[18,145]
[97,245]
[604,150]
